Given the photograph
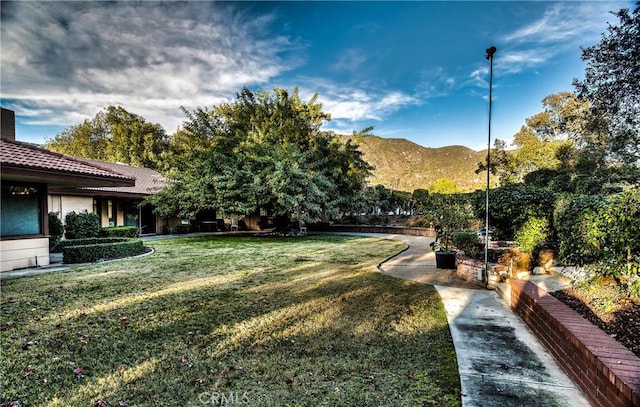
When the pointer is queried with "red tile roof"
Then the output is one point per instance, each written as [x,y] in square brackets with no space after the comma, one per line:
[148,181]
[18,155]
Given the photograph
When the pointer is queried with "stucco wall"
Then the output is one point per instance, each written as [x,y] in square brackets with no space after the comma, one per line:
[22,253]
[69,204]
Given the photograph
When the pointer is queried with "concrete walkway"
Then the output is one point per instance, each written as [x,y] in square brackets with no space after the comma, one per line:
[501,363]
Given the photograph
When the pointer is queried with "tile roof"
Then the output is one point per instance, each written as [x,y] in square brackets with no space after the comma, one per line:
[17,154]
[148,181]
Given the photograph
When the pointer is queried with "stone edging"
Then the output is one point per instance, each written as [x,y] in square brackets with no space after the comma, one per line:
[604,370]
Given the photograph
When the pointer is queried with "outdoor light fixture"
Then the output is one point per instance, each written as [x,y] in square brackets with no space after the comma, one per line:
[489,56]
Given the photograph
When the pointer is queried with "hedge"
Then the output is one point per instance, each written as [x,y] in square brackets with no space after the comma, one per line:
[56,230]
[87,241]
[92,252]
[81,225]
[120,231]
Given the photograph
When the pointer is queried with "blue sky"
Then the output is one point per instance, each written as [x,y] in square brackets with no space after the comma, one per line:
[413,70]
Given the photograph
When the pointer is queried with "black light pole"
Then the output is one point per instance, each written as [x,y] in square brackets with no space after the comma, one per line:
[485,277]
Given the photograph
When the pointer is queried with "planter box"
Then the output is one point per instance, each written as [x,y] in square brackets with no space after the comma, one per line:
[446,260]
[606,372]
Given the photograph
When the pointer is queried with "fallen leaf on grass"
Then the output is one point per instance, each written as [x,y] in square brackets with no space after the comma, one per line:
[79,373]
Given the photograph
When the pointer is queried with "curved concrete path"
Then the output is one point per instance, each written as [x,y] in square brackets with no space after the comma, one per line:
[501,363]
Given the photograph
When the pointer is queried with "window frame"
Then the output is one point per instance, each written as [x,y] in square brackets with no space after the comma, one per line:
[43,207]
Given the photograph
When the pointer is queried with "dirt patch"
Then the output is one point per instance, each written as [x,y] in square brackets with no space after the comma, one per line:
[609,309]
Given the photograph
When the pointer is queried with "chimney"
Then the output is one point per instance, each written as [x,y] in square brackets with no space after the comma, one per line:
[8,124]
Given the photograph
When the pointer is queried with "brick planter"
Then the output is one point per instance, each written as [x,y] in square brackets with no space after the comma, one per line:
[471,270]
[606,372]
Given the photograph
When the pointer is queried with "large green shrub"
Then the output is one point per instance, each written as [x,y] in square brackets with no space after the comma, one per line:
[469,243]
[56,230]
[576,228]
[533,232]
[82,225]
[618,235]
[603,232]
[102,251]
[120,231]
[511,206]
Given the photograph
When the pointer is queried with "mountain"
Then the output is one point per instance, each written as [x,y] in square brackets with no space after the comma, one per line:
[403,165]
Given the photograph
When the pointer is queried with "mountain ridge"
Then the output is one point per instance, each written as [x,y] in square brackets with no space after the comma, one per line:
[403,165]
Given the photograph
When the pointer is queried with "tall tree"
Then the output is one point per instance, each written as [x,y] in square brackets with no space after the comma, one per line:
[612,85]
[548,133]
[113,135]
[263,150]
[502,164]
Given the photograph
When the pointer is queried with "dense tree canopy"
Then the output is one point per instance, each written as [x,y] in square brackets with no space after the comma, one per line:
[546,141]
[612,86]
[265,150]
[113,135]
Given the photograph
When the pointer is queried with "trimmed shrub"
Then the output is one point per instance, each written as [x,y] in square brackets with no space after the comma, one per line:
[56,230]
[88,241]
[101,251]
[120,231]
[468,243]
[82,225]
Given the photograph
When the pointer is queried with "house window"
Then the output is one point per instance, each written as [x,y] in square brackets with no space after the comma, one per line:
[131,214]
[22,207]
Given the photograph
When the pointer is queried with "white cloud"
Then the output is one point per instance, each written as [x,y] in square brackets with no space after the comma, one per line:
[564,26]
[360,103]
[66,61]
[350,60]
[565,21]
[435,82]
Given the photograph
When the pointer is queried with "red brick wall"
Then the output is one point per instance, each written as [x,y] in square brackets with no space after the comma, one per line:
[606,372]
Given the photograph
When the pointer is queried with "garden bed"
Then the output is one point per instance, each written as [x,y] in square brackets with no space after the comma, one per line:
[607,308]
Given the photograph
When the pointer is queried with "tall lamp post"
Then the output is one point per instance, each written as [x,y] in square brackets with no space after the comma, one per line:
[489,56]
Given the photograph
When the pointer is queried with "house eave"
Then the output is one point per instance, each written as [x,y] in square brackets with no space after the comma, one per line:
[60,178]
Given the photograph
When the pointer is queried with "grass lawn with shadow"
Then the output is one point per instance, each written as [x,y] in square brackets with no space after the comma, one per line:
[247,320]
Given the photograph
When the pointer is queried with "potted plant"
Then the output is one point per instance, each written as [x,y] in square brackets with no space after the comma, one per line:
[449,214]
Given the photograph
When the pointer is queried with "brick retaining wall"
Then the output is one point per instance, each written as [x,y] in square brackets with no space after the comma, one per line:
[604,370]
[471,270]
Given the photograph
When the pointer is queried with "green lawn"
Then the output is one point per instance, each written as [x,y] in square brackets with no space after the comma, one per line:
[256,321]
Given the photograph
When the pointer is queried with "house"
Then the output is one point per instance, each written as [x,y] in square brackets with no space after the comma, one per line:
[27,172]
[116,206]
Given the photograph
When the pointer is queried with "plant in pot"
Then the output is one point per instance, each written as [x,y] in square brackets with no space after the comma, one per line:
[449,213]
